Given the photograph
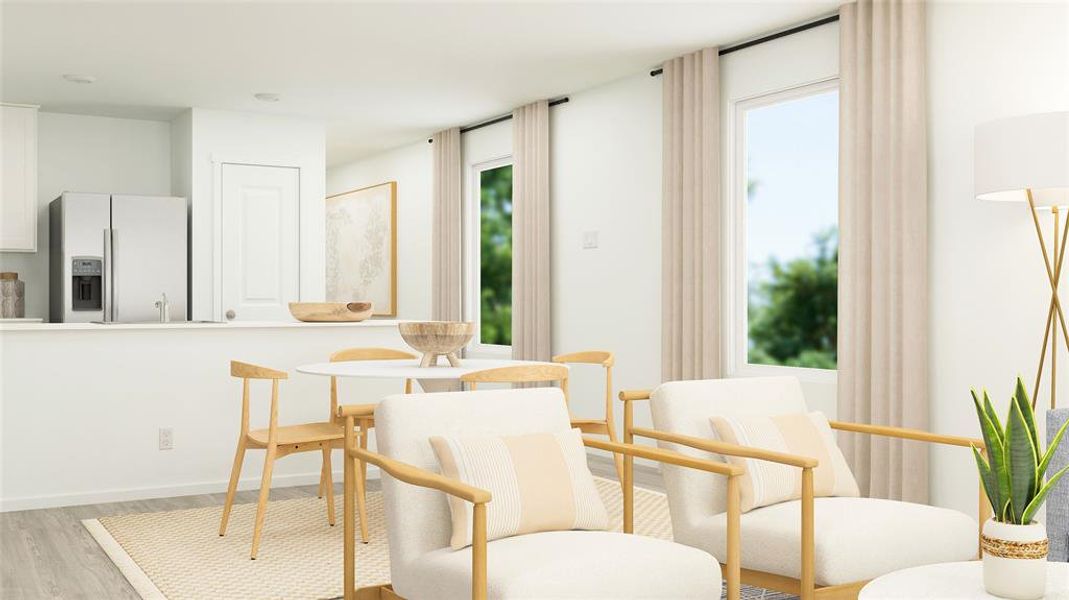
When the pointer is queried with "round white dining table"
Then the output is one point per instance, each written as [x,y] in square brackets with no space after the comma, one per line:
[442,378]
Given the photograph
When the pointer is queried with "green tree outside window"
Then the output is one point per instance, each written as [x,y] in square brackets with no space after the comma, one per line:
[495,252]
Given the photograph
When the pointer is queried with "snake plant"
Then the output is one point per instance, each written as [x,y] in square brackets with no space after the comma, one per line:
[1014,468]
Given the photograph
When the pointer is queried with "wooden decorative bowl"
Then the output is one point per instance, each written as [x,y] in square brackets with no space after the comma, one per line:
[437,338]
[330,312]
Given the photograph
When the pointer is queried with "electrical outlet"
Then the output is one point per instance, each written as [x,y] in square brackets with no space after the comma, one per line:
[166,438]
[590,240]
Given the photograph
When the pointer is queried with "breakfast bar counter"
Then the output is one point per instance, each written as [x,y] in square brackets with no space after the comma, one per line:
[79,399]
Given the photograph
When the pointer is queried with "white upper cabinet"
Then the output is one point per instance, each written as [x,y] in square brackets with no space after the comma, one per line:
[18,194]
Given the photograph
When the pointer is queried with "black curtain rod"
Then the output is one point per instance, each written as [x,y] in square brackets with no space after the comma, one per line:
[768,38]
[500,119]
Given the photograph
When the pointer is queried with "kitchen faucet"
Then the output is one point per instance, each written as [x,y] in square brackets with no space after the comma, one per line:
[165,309]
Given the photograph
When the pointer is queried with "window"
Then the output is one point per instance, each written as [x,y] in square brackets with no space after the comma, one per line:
[490,280]
[786,241]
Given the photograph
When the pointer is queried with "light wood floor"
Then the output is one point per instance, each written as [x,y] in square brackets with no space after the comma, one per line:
[49,554]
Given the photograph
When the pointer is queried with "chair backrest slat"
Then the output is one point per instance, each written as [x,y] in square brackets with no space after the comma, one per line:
[370,354]
[588,357]
[518,374]
[248,371]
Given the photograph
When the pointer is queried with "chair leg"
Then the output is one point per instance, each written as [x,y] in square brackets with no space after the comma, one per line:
[365,428]
[235,474]
[261,506]
[616,457]
[327,480]
[361,486]
[322,484]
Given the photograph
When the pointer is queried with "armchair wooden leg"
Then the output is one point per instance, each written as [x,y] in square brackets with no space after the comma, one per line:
[322,483]
[261,506]
[478,553]
[734,569]
[326,479]
[807,581]
[235,475]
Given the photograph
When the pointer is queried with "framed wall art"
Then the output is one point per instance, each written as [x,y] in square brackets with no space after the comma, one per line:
[362,247]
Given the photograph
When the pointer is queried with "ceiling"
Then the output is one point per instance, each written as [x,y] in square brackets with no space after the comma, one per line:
[380,75]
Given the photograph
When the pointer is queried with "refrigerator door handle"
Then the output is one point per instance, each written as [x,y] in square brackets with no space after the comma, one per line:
[108,294]
[114,288]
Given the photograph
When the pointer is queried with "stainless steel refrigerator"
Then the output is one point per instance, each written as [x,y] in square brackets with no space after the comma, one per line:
[113,257]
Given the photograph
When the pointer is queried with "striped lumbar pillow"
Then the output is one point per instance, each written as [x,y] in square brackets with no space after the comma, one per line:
[538,482]
[766,483]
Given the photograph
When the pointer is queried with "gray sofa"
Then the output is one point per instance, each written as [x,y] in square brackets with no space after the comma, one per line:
[1058,500]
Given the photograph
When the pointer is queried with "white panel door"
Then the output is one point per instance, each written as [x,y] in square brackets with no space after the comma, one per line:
[260,241]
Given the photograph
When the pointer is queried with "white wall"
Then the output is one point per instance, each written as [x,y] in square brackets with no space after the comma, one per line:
[223,136]
[988,285]
[88,154]
[605,176]
[410,167]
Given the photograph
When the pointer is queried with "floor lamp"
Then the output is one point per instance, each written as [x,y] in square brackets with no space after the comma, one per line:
[1026,159]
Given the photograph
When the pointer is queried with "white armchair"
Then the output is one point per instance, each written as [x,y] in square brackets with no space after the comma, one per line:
[814,547]
[558,564]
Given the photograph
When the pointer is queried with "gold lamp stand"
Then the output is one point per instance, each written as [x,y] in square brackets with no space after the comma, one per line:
[1053,261]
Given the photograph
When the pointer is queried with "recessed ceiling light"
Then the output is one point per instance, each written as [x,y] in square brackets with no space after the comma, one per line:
[266,97]
[78,78]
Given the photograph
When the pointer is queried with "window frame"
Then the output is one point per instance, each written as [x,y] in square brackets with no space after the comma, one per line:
[472,278]
[736,344]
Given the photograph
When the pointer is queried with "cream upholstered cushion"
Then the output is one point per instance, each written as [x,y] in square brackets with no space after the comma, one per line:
[803,434]
[538,481]
[591,565]
[855,538]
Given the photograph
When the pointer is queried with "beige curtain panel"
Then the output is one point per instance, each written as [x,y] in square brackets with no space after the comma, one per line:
[446,294]
[690,220]
[531,325]
[883,262]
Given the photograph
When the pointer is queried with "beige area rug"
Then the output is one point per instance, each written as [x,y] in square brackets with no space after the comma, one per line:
[178,555]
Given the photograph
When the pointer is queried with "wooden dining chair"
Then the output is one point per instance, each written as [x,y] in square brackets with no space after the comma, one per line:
[278,441]
[607,424]
[534,373]
[363,414]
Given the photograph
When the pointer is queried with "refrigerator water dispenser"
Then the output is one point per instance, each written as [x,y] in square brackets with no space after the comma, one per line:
[87,283]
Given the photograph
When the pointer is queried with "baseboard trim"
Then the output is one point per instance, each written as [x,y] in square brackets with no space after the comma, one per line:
[191,489]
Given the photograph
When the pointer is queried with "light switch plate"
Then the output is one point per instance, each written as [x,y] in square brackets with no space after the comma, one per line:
[590,239]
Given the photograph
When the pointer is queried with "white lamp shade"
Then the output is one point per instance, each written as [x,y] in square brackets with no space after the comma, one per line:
[1019,153]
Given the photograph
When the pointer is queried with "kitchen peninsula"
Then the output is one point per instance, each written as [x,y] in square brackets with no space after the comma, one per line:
[87,407]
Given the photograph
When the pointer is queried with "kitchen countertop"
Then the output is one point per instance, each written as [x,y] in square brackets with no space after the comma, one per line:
[29,326]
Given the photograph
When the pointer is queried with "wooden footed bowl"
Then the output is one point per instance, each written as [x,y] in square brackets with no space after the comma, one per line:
[437,338]
[330,312]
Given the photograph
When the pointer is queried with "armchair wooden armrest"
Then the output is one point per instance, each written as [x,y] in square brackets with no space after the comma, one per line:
[632,395]
[728,449]
[732,472]
[356,410]
[907,434]
[421,477]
